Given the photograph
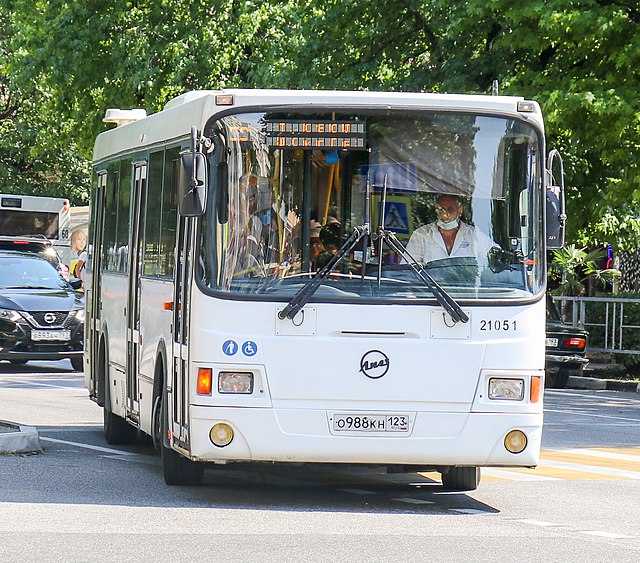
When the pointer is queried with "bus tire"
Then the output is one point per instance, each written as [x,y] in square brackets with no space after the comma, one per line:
[461,479]
[117,430]
[179,470]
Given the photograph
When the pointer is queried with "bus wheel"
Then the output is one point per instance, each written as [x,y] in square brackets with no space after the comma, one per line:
[156,424]
[461,479]
[179,470]
[117,430]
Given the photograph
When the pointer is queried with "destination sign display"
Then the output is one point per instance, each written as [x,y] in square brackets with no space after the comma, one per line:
[316,134]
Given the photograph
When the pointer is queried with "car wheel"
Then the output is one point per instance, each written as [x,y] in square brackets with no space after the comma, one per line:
[461,479]
[77,364]
[18,362]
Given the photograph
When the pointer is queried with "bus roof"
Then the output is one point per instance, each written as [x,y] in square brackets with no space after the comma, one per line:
[196,107]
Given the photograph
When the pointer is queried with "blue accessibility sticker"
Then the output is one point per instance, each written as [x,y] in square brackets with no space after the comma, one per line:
[230,347]
[249,348]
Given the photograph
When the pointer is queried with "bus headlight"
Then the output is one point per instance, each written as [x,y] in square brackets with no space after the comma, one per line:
[235,382]
[506,389]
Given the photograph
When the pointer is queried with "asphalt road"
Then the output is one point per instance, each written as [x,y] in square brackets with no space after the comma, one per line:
[83,500]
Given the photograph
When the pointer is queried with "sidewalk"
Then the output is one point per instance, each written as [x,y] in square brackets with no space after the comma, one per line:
[16,439]
[598,384]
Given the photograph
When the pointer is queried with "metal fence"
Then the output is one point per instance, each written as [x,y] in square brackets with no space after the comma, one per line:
[613,323]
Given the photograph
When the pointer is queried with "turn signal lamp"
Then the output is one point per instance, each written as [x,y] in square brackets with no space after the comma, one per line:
[536,389]
[235,382]
[205,376]
[515,441]
[221,434]
[506,389]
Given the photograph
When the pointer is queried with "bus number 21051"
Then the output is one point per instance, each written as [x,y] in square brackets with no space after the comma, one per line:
[497,325]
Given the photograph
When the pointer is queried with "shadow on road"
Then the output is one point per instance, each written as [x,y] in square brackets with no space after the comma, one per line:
[78,467]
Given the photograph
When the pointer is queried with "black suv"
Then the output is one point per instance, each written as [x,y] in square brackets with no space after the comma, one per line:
[35,244]
[566,346]
[41,314]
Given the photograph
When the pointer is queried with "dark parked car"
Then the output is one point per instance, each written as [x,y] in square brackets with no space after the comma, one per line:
[41,313]
[565,349]
[37,245]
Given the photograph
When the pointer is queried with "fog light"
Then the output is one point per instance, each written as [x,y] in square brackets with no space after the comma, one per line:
[515,441]
[221,434]
[506,389]
[235,382]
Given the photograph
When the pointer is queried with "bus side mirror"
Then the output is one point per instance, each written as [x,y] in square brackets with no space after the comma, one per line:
[556,217]
[192,184]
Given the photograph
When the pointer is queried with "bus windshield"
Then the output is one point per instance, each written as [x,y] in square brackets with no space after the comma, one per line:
[455,195]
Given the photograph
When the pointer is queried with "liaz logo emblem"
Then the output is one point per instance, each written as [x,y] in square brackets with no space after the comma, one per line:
[374,364]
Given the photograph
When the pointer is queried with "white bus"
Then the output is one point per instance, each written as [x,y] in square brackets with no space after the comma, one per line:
[251,298]
[29,215]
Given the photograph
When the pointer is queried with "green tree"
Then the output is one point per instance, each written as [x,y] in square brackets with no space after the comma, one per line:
[578,58]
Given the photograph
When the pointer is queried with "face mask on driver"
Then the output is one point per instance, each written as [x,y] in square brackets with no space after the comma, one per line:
[448,226]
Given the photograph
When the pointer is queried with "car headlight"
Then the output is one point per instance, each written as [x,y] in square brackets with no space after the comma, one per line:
[79,314]
[9,315]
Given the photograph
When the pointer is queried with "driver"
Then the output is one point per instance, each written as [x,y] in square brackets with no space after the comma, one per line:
[448,236]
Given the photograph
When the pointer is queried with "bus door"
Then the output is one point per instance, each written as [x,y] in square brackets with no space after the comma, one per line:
[92,290]
[134,337]
[178,399]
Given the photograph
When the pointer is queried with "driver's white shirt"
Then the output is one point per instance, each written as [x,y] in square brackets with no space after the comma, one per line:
[426,244]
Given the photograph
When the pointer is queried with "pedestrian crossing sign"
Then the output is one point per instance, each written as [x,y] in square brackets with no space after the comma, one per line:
[397,215]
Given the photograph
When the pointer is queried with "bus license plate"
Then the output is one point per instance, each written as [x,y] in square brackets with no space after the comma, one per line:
[48,335]
[371,423]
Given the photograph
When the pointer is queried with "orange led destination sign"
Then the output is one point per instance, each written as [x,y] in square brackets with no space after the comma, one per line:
[312,134]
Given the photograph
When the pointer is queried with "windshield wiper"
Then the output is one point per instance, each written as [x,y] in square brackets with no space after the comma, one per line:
[447,302]
[301,298]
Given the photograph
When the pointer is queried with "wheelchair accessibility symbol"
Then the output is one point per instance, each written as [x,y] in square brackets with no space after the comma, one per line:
[249,348]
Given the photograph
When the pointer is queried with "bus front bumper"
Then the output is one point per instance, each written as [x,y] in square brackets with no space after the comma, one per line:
[297,435]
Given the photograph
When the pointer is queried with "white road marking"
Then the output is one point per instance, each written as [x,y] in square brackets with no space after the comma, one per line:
[598,470]
[605,534]
[89,447]
[414,500]
[541,523]
[470,511]
[597,453]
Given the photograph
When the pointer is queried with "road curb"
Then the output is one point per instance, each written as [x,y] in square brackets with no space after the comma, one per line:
[18,439]
[595,383]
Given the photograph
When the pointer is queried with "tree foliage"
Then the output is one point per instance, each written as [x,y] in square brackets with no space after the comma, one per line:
[577,58]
